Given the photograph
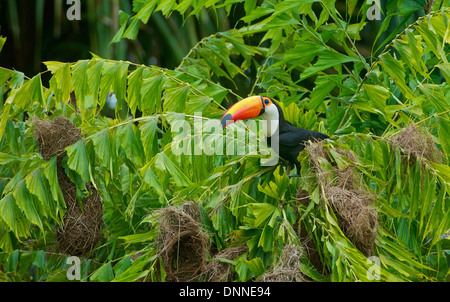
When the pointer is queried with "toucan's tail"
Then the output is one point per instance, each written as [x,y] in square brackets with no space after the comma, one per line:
[318,135]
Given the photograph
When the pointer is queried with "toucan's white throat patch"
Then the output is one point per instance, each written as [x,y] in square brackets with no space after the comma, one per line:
[272,118]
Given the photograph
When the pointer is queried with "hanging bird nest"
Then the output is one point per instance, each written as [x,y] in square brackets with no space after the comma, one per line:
[416,143]
[218,270]
[352,205]
[80,229]
[54,136]
[183,244]
[287,268]
[357,218]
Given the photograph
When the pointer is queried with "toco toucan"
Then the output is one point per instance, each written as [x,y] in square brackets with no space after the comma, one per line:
[291,139]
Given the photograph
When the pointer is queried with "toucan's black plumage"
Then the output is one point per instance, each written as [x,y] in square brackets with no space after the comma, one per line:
[292,139]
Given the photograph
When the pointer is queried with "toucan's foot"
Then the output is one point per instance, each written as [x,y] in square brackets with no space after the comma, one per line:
[293,175]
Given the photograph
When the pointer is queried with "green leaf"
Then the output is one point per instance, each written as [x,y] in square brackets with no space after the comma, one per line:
[267,238]
[236,39]
[5,75]
[78,160]
[303,52]
[131,143]
[262,211]
[13,217]
[133,29]
[175,99]
[40,260]
[444,68]
[149,137]
[13,261]
[326,60]
[145,13]
[415,57]
[129,212]
[151,91]
[125,176]
[113,79]
[164,163]
[444,171]
[397,166]
[166,7]
[183,6]
[25,202]
[37,186]
[8,158]
[249,268]
[269,190]
[29,93]
[134,89]
[342,161]
[102,148]
[2,42]
[323,86]
[123,18]
[81,84]
[4,117]
[61,81]
[104,274]
[7,210]
[141,237]
[94,73]
[378,96]
[17,79]
[151,179]
[135,271]
[444,135]
[50,172]
[197,104]
[396,71]
[257,13]
[435,95]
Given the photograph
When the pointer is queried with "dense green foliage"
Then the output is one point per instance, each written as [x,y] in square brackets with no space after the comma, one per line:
[302,53]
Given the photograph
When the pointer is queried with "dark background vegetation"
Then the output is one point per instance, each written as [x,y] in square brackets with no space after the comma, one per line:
[39,31]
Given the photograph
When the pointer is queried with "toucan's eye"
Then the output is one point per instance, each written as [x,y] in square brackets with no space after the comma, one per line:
[266,101]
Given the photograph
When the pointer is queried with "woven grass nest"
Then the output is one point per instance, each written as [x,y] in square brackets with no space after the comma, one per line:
[352,205]
[220,271]
[416,143]
[183,244]
[80,229]
[287,267]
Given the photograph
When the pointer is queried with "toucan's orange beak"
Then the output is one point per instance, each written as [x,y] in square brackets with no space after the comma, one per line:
[247,108]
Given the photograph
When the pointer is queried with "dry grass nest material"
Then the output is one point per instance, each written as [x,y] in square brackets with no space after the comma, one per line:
[417,143]
[183,244]
[81,227]
[183,247]
[56,135]
[218,270]
[287,269]
[352,205]
[356,216]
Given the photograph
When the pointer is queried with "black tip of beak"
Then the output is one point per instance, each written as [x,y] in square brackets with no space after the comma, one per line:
[226,119]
